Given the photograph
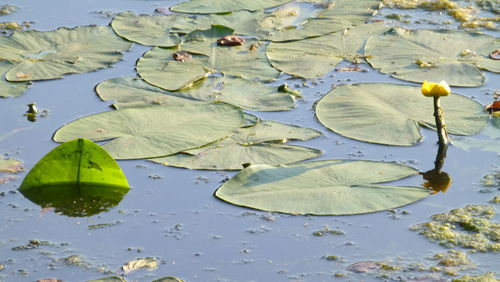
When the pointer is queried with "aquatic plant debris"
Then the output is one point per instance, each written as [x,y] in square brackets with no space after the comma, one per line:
[416,55]
[332,187]
[146,263]
[470,227]
[262,143]
[194,125]
[392,114]
[62,51]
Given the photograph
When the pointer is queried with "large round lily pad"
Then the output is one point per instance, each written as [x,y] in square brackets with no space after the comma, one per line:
[47,55]
[252,95]
[258,144]
[418,55]
[317,56]
[10,89]
[330,187]
[224,6]
[392,114]
[155,131]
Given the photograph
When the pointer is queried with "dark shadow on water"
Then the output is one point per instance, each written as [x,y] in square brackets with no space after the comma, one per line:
[437,180]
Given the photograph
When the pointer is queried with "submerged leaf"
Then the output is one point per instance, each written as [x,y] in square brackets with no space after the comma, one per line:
[417,55]
[78,178]
[147,132]
[392,114]
[330,187]
[47,55]
[258,144]
[224,6]
[488,140]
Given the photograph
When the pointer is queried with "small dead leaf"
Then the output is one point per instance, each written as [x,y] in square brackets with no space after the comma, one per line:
[493,107]
[351,69]
[22,75]
[11,166]
[182,56]
[363,266]
[49,280]
[495,55]
[149,263]
[231,40]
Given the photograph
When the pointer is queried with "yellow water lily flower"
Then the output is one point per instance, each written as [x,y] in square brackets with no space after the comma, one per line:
[432,89]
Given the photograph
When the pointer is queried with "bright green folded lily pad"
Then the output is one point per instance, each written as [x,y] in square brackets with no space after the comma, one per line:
[148,132]
[330,187]
[47,55]
[258,144]
[78,178]
[224,6]
[10,89]
[251,95]
[392,114]
[418,55]
[148,29]
[158,67]
[317,56]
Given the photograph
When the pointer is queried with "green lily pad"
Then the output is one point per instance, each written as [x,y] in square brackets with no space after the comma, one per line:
[10,89]
[418,55]
[148,29]
[148,132]
[330,187]
[168,279]
[488,141]
[78,178]
[224,6]
[258,144]
[158,67]
[109,279]
[392,114]
[251,95]
[315,57]
[47,55]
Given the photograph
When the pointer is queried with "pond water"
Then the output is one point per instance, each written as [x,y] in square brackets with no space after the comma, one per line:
[171,213]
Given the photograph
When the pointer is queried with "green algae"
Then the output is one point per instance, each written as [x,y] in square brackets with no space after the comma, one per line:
[487,277]
[470,227]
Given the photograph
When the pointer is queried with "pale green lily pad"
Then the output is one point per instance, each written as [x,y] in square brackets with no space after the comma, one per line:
[418,55]
[224,6]
[147,132]
[147,29]
[262,143]
[48,55]
[317,56]
[330,187]
[392,114]
[251,95]
[10,89]
[158,67]
[490,140]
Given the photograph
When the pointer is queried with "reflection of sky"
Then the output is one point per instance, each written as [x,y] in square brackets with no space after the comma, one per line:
[214,229]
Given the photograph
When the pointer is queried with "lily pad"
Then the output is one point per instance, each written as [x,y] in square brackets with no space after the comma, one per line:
[160,29]
[158,67]
[78,178]
[10,89]
[315,57]
[47,55]
[252,95]
[392,114]
[148,132]
[418,55]
[331,187]
[224,6]
[488,141]
[258,144]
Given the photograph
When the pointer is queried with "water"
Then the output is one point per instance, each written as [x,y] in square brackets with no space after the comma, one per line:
[175,217]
